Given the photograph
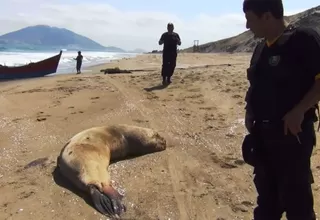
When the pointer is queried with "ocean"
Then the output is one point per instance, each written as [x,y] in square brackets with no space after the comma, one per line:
[67,63]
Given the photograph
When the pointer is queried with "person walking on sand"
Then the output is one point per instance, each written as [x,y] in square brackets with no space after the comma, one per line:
[170,40]
[79,62]
[281,104]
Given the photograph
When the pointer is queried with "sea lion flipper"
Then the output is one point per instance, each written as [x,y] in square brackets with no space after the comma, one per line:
[113,199]
[107,202]
[96,199]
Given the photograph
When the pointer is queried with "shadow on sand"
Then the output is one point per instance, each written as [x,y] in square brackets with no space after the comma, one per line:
[65,183]
[158,87]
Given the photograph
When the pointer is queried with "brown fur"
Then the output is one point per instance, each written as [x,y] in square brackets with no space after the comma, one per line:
[85,158]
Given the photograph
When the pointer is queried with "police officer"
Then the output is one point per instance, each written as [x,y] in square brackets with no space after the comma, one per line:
[170,40]
[281,110]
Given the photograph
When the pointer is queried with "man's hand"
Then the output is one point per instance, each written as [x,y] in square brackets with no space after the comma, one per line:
[293,120]
[160,42]
[249,121]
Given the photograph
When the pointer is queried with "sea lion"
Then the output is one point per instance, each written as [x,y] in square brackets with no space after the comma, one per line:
[85,158]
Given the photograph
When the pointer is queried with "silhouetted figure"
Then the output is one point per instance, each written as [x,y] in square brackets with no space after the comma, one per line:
[79,62]
[170,40]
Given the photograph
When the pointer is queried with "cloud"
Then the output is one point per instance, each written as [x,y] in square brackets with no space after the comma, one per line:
[111,26]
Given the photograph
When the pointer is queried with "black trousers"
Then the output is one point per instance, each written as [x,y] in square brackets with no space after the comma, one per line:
[78,66]
[169,60]
[283,176]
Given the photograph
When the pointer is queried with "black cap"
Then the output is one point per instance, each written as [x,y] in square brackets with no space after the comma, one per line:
[170,24]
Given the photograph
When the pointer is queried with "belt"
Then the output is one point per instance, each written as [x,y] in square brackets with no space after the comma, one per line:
[268,121]
[273,123]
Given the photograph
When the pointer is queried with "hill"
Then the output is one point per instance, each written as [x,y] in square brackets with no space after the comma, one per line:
[44,37]
[245,41]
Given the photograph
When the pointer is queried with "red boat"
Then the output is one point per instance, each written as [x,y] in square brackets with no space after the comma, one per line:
[31,70]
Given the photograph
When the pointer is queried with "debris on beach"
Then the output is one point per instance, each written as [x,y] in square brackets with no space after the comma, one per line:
[114,70]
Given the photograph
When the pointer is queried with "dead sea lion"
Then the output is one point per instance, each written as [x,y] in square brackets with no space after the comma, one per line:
[85,158]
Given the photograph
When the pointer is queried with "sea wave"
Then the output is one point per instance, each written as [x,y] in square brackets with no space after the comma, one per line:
[67,62]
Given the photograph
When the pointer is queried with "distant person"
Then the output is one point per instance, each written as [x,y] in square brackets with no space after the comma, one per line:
[79,62]
[170,40]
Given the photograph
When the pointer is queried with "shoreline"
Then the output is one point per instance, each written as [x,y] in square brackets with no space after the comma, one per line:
[67,63]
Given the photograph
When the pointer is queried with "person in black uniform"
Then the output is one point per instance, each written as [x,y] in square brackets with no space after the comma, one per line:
[79,62]
[281,104]
[170,40]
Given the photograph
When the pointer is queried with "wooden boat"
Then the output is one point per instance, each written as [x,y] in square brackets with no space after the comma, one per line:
[31,70]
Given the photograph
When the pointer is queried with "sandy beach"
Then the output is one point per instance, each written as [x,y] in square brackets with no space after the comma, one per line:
[200,176]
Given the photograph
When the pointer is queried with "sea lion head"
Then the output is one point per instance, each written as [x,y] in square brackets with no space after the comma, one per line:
[159,142]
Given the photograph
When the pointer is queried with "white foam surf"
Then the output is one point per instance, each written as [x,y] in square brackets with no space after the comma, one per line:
[67,63]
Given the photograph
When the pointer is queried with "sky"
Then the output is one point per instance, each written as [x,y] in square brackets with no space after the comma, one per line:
[132,24]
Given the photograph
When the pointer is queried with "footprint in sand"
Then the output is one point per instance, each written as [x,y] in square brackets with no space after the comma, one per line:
[221,163]
[25,195]
[152,96]
[199,102]
[236,161]
[41,116]
[80,112]
[38,162]
[239,162]
[238,208]
[17,119]
[242,207]
[226,165]
[41,119]
[230,135]
[237,96]
[209,117]
[140,121]
[207,108]
[247,203]
[93,98]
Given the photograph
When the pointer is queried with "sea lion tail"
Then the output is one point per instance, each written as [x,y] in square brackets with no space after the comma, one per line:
[107,202]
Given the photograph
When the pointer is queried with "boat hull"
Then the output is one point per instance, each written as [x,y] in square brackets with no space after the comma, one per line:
[32,70]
